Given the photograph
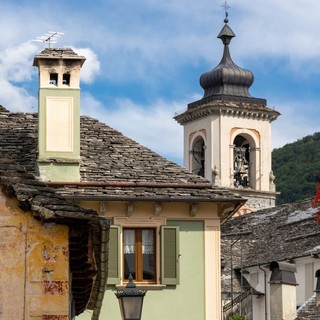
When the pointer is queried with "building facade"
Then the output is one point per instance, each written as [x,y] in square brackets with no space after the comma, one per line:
[164,220]
[273,255]
[163,217]
[40,256]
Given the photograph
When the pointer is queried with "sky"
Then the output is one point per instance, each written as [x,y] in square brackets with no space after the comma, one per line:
[145,58]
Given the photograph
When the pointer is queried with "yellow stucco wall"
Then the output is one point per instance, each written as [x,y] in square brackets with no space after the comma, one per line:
[34,266]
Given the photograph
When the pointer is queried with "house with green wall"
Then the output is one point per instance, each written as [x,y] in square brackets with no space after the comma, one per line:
[164,220]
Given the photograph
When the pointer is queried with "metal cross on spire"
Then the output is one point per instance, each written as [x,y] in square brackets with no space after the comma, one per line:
[226,7]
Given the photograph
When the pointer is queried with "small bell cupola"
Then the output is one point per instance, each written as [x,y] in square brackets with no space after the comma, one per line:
[59,114]
[227,133]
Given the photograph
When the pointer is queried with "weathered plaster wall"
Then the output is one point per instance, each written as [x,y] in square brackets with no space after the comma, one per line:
[34,276]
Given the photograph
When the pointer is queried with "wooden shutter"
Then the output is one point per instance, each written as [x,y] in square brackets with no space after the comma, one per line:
[114,268]
[169,255]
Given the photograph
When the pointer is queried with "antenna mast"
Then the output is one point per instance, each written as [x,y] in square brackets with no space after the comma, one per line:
[50,37]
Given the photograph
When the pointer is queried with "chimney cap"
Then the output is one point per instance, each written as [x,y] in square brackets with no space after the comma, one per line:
[58,53]
[283,272]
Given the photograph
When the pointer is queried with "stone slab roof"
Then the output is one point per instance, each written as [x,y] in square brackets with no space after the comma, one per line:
[281,233]
[45,204]
[309,310]
[112,166]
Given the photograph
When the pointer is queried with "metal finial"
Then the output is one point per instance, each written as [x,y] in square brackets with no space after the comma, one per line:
[226,7]
[50,37]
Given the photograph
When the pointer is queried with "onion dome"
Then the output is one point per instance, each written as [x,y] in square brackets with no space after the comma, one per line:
[227,79]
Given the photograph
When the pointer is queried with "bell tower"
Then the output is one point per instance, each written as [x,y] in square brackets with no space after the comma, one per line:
[59,114]
[227,134]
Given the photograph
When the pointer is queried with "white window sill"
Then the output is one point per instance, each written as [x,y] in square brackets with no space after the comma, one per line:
[143,286]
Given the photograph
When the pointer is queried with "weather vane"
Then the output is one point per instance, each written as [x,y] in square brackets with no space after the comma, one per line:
[226,7]
[50,37]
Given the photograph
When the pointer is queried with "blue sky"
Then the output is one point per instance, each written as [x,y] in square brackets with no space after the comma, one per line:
[145,57]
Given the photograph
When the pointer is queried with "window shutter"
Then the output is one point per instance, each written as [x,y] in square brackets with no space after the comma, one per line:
[114,270]
[169,255]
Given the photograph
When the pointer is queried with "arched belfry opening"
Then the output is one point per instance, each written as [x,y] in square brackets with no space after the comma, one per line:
[241,162]
[197,153]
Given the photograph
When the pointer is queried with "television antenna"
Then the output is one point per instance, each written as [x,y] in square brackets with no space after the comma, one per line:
[50,37]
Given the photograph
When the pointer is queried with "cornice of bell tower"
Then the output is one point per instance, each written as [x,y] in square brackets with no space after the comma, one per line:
[231,109]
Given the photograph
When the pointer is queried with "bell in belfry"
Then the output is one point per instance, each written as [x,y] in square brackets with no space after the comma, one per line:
[240,160]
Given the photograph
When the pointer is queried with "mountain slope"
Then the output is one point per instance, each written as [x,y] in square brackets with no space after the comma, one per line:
[297,167]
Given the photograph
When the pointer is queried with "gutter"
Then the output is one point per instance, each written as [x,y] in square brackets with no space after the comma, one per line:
[127,184]
[124,184]
[190,199]
[265,293]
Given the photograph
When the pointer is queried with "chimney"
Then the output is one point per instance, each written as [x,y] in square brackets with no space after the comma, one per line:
[282,291]
[59,114]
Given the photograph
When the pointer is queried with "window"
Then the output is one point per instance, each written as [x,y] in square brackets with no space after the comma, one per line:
[54,78]
[66,79]
[139,254]
[135,252]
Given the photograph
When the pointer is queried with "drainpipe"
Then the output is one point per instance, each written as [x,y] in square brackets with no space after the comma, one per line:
[265,293]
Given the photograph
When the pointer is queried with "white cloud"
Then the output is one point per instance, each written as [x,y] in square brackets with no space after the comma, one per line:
[16,70]
[16,62]
[16,67]
[15,98]
[286,28]
[91,67]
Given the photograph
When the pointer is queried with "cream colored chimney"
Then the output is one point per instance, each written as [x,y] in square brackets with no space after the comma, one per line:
[283,301]
[59,114]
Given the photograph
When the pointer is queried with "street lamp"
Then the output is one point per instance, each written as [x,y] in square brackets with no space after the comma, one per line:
[130,301]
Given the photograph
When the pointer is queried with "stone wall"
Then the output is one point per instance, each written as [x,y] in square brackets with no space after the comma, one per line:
[34,273]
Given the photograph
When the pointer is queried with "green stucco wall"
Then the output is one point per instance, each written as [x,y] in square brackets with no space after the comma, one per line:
[59,166]
[182,302]
[57,92]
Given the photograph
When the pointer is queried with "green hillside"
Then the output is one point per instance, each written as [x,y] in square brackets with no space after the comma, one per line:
[297,167]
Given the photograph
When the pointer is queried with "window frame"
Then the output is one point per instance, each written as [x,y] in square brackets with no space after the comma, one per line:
[115,264]
[139,256]
[66,78]
[53,78]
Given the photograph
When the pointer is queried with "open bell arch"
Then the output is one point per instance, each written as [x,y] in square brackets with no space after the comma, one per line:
[197,155]
[245,160]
